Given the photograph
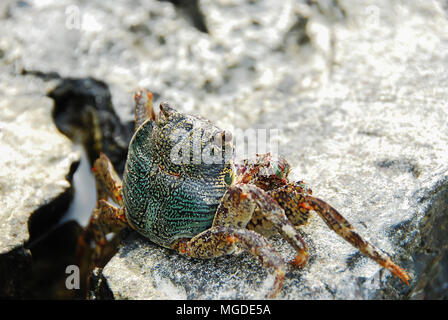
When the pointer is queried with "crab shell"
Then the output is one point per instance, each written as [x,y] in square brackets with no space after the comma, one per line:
[166,199]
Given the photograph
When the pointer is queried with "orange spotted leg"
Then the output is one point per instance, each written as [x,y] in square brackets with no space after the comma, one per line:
[297,202]
[108,181]
[342,227]
[106,218]
[248,206]
[221,240]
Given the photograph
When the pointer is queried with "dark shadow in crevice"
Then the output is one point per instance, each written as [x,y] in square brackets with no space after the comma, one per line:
[44,219]
[13,265]
[83,112]
[52,253]
[430,254]
[191,11]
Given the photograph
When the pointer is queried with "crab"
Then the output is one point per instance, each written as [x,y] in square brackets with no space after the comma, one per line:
[205,210]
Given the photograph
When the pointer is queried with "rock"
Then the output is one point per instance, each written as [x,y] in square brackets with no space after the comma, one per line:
[153,44]
[37,162]
[357,90]
[369,136]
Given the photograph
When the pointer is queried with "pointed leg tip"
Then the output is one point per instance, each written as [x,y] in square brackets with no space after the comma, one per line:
[300,259]
[400,273]
[405,277]
[278,283]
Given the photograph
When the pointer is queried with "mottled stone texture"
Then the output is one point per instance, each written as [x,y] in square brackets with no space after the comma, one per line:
[36,163]
[357,90]
[362,116]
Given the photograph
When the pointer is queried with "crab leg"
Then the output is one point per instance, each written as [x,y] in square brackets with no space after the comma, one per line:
[342,227]
[268,209]
[106,217]
[249,206]
[108,181]
[221,240]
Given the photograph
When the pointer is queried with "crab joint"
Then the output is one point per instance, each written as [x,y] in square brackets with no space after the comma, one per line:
[231,239]
[300,259]
[305,206]
[243,196]
[182,247]
[278,282]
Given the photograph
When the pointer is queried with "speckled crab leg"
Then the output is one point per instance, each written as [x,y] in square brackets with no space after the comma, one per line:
[108,182]
[221,240]
[261,175]
[105,219]
[295,198]
[342,227]
[249,206]
[297,201]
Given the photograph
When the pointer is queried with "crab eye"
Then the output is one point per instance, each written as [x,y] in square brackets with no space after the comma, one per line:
[277,170]
[229,177]
[279,174]
[281,170]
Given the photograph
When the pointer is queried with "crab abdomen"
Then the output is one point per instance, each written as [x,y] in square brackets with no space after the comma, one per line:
[165,206]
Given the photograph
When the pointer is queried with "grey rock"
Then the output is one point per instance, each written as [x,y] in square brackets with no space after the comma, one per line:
[152,44]
[368,133]
[37,161]
[357,90]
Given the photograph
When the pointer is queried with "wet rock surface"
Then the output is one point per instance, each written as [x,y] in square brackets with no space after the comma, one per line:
[357,90]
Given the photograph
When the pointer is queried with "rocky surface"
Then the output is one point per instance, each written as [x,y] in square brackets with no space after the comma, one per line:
[37,162]
[357,90]
[368,131]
